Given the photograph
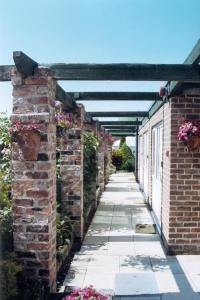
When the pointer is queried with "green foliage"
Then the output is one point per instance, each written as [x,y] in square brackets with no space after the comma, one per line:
[129,165]
[6,235]
[64,230]
[5,166]
[117,158]
[122,141]
[89,169]
[8,277]
[31,288]
[128,160]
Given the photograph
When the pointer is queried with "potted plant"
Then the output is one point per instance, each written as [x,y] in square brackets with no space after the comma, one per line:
[63,121]
[189,133]
[28,137]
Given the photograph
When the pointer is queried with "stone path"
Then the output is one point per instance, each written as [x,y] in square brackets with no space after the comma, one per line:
[115,259]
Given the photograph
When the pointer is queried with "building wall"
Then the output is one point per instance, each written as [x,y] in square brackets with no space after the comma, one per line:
[184,221]
[180,227]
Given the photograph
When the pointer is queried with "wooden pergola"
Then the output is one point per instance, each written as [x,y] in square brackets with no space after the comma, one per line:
[177,76]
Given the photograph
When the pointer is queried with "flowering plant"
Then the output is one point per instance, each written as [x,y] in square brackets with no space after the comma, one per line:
[64,120]
[106,137]
[87,293]
[188,129]
[18,126]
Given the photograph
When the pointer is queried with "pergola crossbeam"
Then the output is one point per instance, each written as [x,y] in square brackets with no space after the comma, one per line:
[115,96]
[118,127]
[119,114]
[5,72]
[63,97]
[136,72]
[24,63]
[123,134]
[193,59]
[132,123]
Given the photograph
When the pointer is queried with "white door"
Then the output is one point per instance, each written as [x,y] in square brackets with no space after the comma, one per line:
[145,164]
[157,171]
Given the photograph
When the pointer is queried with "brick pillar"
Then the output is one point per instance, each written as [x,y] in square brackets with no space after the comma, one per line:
[184,193]
[72,173]
[34,182]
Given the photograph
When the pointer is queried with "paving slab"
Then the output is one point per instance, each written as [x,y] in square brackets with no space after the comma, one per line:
[129,265]
[135,284]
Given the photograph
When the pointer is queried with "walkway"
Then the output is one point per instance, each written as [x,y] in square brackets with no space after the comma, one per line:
[116,259]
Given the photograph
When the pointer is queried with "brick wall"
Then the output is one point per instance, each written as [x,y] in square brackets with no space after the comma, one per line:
[180,228]
[34,181]
[184,210]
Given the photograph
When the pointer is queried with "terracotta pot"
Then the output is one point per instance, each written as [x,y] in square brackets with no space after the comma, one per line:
[29,142]
[194,142]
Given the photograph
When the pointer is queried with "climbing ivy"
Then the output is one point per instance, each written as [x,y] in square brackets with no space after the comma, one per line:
[89,169]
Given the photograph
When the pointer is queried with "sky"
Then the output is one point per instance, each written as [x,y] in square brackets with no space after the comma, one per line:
[98,31]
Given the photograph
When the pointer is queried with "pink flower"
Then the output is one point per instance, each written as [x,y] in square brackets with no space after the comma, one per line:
[188,129]
[87,293]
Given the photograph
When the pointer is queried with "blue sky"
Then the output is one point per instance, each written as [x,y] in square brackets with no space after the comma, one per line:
[98,31]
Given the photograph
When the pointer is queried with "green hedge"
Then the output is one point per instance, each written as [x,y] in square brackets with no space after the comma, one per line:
[123,158]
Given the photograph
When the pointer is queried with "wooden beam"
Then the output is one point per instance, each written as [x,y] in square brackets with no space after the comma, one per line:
[119,114]
[193,58]
[120,129]
[145,72]
[5,72]
[24,63]
[122,134]
[124,127]
[132,123]
[115,96]
[63,97]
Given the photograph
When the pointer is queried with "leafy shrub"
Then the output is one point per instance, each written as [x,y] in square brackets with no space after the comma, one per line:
[117,158]
[89,169]
[64,230]
[8,277]
[31,289]
[6,234]
[122,141]
[129,166]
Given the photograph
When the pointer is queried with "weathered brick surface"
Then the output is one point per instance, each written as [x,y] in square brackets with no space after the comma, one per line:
[34,182]
[181,176]
[72,173]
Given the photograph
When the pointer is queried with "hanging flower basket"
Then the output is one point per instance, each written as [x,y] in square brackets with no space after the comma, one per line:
[189,134]
[28,138]
[194,142]
[29,143]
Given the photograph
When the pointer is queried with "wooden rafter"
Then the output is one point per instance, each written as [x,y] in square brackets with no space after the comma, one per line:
[145,72]
[119,114]
[132,123]
[115,96]
[119,127]
[5,72]
[24,63]
[193,59]
[123,134]
[66,99]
